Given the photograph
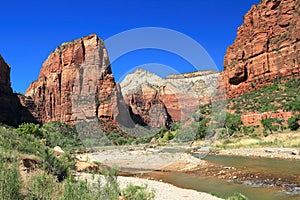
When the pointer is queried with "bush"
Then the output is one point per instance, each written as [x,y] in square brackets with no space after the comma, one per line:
[60,134]
[9,178]
[108,189]
[293,123]
[268,107]
[133,192]
[268,124]
[265,133]
[237,196]
[43,186]
[30,129]
[232,123]
[202,129]
[57,166]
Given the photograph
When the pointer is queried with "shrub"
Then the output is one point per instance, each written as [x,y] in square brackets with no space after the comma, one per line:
[134,192]
[268,107]
[237,196]
[60,134]
[268,124]
[265,133]
[30,129]
[293,105]
[9,178]
[57,166]
[232,123]
[201,129]
[43,186]
[293,123]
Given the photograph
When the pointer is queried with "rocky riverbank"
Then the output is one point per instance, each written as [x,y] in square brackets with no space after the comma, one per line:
[140,162]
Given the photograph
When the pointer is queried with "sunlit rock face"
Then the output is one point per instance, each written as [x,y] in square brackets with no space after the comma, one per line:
[267,46]
[159,101]
[75,84]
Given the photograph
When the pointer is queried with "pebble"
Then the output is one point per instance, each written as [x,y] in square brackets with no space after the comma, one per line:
[295,152]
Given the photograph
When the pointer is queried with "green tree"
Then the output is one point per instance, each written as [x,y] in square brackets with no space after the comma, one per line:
[232,123]
[293,123]
[268,124]
[201,129]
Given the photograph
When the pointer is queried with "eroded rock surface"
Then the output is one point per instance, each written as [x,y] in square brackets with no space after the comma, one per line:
[267,47]
[75,84]
[159,101]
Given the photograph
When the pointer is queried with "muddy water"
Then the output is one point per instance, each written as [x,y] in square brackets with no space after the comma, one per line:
[278,167]
[221,187]
[288,170]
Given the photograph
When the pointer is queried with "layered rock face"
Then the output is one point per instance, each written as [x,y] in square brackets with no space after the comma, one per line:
[157,102]
[75,84]
[267,46]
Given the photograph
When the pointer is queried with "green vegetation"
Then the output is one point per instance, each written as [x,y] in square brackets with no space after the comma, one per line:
[232,123]
[47,175]
[9,178]
[293,123]
[237,196]
[133,192]
[281,94]
[268,124]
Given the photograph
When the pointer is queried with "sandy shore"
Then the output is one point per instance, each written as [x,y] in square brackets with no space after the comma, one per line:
[146,160]
[268,152]
[163,191]
[143,160]
[137,160]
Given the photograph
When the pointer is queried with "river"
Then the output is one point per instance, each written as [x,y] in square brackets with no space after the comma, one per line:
[256,189]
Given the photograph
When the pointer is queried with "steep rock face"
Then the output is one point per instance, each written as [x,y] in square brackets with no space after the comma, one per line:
[4,77]
[157,102]
[5,91]
[75,84]
[12,112]
[267,46]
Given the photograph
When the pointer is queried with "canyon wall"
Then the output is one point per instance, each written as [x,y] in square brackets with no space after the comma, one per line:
[267,47]
[12,112]
[75,84]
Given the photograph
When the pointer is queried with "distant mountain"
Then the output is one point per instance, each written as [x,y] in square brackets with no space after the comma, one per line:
[159,101]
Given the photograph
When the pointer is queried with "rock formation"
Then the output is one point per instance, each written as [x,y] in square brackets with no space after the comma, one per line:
[5,87]
[5,92]
[75,84]
[267,47]
[11,110]
[157,102]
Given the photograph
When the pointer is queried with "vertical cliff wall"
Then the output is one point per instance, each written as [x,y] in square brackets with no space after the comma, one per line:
[75,83]
[12,112]
[267,47]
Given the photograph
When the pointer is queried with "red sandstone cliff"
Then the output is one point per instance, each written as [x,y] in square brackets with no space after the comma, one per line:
[267,46]
[75,84]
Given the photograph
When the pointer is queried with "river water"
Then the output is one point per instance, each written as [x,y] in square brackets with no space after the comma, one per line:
[251,189]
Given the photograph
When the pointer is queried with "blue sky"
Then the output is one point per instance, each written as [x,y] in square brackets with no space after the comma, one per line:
[31,29]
